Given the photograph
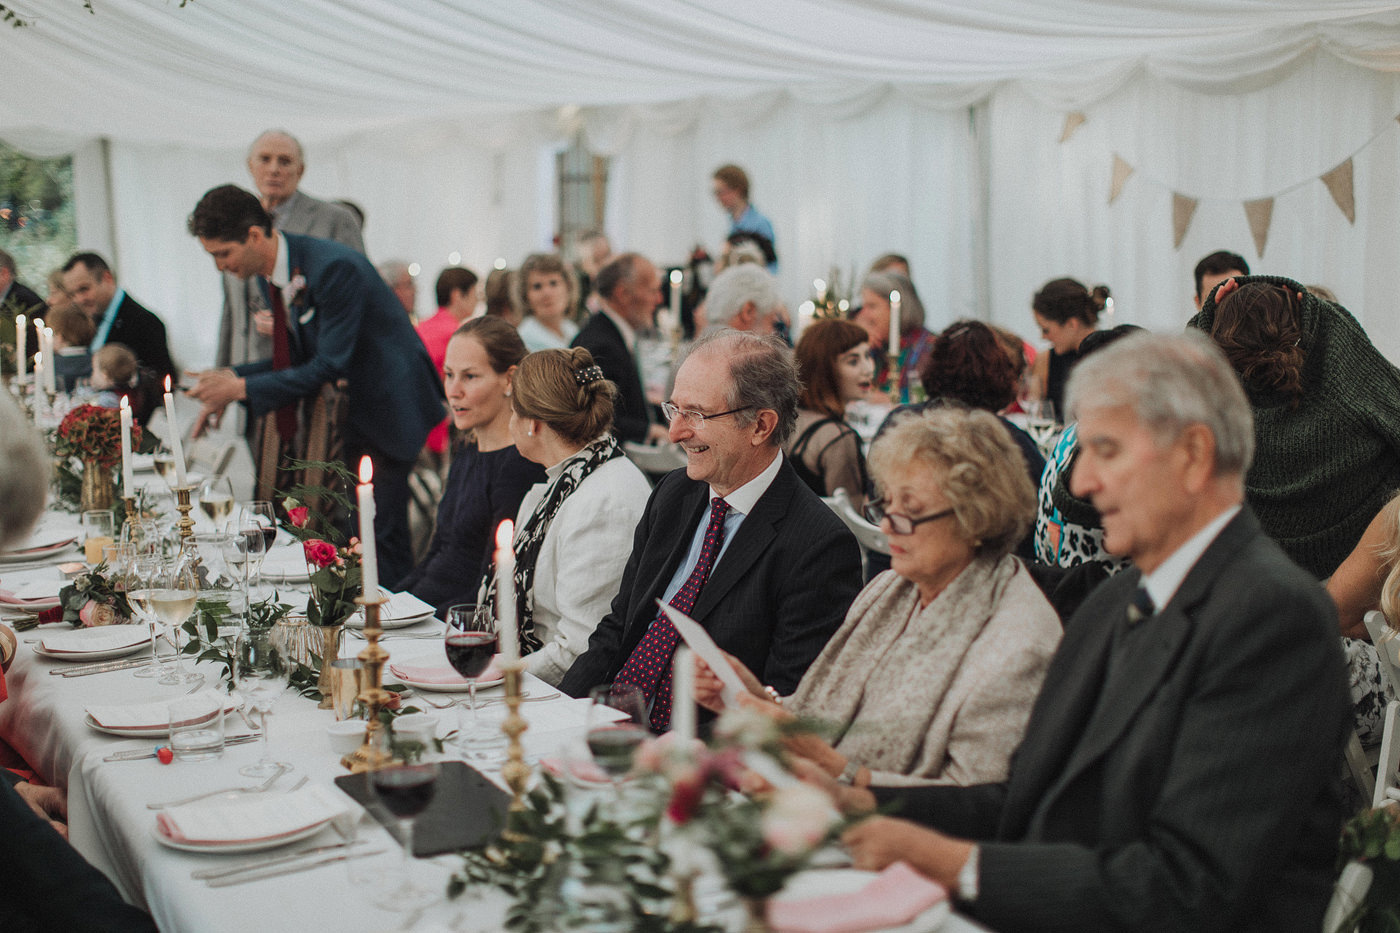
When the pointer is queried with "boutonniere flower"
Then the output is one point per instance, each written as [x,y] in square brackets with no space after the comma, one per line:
[296,291]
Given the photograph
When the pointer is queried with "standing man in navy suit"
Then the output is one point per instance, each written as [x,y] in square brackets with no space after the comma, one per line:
[341,323]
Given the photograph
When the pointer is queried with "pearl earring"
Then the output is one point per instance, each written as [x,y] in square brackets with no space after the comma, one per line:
[530,432]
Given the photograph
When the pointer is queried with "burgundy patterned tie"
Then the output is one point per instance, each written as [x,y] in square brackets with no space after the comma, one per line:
[281,358]
[650,667]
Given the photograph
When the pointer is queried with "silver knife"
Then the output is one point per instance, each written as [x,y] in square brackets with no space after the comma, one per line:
[205,874]
[136,754]
[278,870]
[100,668]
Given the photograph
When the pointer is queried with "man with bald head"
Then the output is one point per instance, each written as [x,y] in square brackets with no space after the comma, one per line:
[276,163]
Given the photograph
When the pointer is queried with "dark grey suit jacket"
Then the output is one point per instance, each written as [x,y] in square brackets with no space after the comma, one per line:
[601,337]
[144,334]
[777,594]
[1195,787]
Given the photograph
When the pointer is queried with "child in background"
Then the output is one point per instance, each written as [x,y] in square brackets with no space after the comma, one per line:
[73,330]
[114,374]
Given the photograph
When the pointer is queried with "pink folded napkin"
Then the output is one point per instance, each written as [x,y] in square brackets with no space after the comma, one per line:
[428,673]
[580,770]
[251,818]
[8,598]
[893,898]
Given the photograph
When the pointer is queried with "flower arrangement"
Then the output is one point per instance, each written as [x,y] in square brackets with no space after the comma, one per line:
[683,818]
[92,599]
[333,564]
[93,434]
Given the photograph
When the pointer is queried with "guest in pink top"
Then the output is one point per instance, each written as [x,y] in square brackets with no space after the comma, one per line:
[456,298]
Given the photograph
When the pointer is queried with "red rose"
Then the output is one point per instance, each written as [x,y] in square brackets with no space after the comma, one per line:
[298,515]
[686,795]
[318,552]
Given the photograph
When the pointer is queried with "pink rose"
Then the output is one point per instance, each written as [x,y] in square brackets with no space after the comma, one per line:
[797,819]
[318,552]
[298,515]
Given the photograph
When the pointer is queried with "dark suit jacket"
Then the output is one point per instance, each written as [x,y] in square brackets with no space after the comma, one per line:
[349,325]
[144,334]
[1198,789]
[778,593]
[601,337]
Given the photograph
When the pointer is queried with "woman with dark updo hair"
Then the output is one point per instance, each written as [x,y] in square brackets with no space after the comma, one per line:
[573,533]
[1066,313]
[1326,415]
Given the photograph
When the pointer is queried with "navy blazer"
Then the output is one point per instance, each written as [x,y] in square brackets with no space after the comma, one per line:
[1192,787]
[780,590]
[144,333]
[601,337]
[347,324]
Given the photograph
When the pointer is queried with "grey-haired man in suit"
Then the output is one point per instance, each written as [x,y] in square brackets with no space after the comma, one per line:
[276,163]
[1180,767]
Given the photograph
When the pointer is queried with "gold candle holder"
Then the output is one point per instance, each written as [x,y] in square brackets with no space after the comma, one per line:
[182,504]
[371,754]
[130,503]
[515,772]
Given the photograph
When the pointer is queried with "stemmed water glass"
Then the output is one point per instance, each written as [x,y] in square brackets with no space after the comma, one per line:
[216,499]
[1041,423]
[405,790]
[173,594]
[165,465]
[470,641]
[264,667]
[243,551]
[617,724]
[142,573]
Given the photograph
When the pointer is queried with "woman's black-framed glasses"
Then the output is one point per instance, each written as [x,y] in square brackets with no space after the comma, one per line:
[696,418]
[899,524]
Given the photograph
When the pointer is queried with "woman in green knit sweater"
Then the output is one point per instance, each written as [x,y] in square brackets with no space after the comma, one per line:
[1326,415]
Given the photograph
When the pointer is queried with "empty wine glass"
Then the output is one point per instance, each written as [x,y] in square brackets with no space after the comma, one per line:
[1041,423]
[243,550]
[405,790]
[617,724]
[470,643]
[165,465]
[142,573]
[260,514]
[264,668]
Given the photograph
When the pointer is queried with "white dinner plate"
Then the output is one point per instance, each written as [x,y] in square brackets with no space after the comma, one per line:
[36,553]
[149,732]
[357,621]
[822,883]
[34,607]
[233,848]
[445,688]
[92,655]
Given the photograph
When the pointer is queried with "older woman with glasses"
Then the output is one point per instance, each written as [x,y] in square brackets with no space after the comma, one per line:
[931,677]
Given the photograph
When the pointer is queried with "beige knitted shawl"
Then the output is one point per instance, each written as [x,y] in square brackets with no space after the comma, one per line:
[881,678]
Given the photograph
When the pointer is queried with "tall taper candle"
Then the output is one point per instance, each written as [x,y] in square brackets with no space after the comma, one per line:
[38,376]
[21,346]
[369,555]
[50,370]
[677,279]
[892,344]
[177,447]
[127,491]
[506,619]
[683,696]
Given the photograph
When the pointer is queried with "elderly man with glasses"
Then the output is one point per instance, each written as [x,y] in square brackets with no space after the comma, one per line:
[735,540]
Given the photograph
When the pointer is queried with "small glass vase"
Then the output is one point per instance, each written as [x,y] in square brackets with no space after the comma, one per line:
[328,650]
[97,487]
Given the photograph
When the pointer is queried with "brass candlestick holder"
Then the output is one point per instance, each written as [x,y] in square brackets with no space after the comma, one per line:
[371,754]
[182,504]
[130,503]
[515,772]
[894,373]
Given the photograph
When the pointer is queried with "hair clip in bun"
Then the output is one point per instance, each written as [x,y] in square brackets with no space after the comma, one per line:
[588,375]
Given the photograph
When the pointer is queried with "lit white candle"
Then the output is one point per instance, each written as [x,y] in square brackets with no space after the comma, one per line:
[677,277]
[39,334]
[126,449]
[50,370]
[369,557]
[21,346]
[892,344]
[38,372]
[506,620]
[177,448]
[683,696]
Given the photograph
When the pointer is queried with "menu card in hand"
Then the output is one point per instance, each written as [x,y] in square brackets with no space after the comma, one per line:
[467,809]
[703,645]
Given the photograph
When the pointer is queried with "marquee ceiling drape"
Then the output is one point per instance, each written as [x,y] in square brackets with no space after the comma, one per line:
[931,127]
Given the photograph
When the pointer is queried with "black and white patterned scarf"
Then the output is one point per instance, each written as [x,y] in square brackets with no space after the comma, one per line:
[529,537]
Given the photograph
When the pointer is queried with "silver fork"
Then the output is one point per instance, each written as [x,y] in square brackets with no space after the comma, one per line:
[257,789]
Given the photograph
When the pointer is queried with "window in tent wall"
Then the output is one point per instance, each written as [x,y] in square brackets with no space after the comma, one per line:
[37,227]
[583,189]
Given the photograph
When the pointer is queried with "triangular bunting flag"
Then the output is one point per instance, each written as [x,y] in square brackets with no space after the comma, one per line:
[1182,210]
[1121,171]
[1073,121]
[1260,213]
[1338,182]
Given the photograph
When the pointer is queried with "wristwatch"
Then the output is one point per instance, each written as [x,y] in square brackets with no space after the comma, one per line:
[848,773]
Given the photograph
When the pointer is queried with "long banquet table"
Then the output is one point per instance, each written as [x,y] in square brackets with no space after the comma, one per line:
[109,823]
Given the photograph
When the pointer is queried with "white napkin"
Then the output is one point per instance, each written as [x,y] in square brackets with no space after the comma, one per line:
[285,561]
[252,817]
[405,606]
[43,583]
[98,638]
[153,715]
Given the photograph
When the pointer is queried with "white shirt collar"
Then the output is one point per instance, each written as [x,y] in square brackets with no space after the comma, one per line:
[744,498]
[1162,583]
[629,336]
[281,269]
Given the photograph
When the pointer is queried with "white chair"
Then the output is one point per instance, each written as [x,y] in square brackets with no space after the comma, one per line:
[1347,895]
[868,536]
[655,459]
[1387,644]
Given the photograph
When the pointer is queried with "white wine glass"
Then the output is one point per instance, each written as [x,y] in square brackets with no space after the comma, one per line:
[172,599]
[216,500]
[142,574]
